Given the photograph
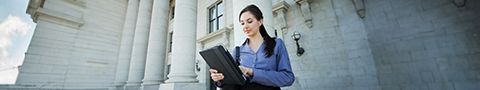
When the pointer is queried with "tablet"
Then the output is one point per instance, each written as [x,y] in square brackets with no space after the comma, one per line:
[220,59]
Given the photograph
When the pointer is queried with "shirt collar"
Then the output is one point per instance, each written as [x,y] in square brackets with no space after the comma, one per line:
[246,48]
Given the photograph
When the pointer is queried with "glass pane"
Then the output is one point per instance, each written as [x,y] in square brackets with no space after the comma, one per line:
[170,39]
[212,13]
[215,26]
[211,26]
[221,21]
[220,8]
[172,14]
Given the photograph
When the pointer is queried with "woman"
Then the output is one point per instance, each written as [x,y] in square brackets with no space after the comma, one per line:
[263,60]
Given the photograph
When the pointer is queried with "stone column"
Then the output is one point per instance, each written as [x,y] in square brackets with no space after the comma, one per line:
[139,50]
[121,74]
[266,8]
[156,45]
[184,41]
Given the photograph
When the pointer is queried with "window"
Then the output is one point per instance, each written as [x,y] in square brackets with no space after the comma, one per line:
[172,9]
[216,19]
[170,36]
[172,12]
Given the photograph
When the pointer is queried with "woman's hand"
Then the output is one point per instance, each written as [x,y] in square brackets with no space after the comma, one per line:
[246,71]
[215,75]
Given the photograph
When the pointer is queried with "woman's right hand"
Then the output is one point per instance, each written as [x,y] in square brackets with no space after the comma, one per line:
[215,75]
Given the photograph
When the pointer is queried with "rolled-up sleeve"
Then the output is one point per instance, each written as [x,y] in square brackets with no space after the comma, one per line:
[281,77]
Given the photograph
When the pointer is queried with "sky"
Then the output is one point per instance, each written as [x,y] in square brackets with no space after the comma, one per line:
[16,30]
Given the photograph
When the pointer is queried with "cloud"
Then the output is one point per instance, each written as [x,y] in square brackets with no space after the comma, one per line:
[9,75]
[12,27]
[11,53]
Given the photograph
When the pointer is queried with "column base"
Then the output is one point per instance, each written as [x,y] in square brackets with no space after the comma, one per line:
[114,88]
[132,87]
[117,88]
[150,86]
[183,86]
[119,83]
[136,83]
[179,78]
[148,82]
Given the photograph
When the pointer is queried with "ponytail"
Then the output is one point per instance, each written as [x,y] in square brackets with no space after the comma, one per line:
[270,42]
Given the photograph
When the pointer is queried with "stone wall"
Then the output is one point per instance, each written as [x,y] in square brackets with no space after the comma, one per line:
[425,44]
[337,55]
[399,45]
[75,44]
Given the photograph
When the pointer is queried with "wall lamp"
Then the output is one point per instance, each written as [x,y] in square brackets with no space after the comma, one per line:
[197,67]
[296,36]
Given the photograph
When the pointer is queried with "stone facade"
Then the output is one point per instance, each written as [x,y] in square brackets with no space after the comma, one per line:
[349,44]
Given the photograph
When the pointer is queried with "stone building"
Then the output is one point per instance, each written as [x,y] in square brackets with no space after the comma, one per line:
[349,44]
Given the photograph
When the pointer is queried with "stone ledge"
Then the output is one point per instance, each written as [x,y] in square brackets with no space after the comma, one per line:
[59,18]
[183,86]
[214,34]
[36,10]
[29,87]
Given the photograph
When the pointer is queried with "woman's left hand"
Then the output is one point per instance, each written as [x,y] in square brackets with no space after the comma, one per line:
[246,71]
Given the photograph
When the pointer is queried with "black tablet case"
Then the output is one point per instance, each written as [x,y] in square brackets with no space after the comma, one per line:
[220,59]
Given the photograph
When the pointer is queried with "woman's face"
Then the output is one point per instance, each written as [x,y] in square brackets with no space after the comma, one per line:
[250,24]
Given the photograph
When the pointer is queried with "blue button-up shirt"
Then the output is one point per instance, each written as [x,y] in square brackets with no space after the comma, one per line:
[269,71]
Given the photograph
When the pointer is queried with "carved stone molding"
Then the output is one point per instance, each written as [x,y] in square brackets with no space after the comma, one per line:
[279,10]
[306,12]
[37,12]
[459,3]
[33,6]
[59,18]
[359,7]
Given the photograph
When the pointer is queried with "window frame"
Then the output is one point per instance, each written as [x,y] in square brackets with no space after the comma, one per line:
[213,9]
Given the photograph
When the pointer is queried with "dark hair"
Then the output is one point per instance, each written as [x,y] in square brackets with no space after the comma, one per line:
[270,41]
